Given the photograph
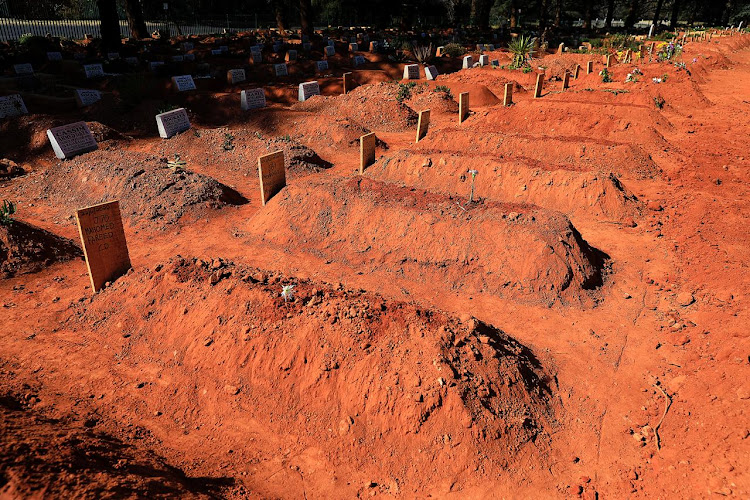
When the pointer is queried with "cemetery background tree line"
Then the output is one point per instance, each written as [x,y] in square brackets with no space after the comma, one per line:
[532,15]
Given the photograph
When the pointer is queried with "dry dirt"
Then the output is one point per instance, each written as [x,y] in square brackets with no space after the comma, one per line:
[579,330]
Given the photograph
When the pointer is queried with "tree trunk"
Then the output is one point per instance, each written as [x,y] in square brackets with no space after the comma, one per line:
[657,14]
[632,16]
[474,14]
[109,24]
[542,5]
[135,19]
[280,18]
[558,13]
[587,15]
[727,12]
[610,14]
[675,13]
[305,17]
[513,14]
[484,14]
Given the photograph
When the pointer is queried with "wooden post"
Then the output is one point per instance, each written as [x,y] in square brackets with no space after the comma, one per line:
[348,83]
[508,97]
[423,124]
[272,175]
[566,80]
[577,72]
[589,67]
[608,60]
[539,85]
[366,151]
[463,106]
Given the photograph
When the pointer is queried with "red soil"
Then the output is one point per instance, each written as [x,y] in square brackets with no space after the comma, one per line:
[608,356]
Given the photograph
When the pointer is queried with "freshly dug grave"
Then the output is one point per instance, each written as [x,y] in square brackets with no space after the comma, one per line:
[213,350]
[44,457]
[514,251]
[375,107]
[573,153]
[572,192]
[147,187]
[27,249]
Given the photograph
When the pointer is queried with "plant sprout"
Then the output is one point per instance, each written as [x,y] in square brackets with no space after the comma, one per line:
[473,176]
[7,210]
[287,291]
[176,164]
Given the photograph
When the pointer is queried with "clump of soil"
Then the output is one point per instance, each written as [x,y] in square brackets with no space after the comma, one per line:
[375,107]
[146,186]
[508,250]
[27,249]
[9,168]
[347,373]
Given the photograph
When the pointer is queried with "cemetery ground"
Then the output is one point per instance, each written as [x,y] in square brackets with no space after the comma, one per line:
[579,328]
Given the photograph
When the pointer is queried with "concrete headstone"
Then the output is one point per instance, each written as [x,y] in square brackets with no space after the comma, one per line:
[12,105]
[307,90]
[411,72]
[72,139]
[252,99]
[172,122]
[183,83]
[87,97]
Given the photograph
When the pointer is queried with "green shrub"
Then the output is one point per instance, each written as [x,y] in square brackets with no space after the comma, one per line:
[521,49]
[404,91]
[454,50]
[445,90]
[7,210]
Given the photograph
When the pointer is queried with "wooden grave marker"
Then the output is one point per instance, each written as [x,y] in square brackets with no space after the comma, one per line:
[272,175]
[508,96]
[72,139]
[463,106]
[577,72]
[589,67]
[566,80]
[608,60]
[104,245]
[366,151]
[348,82]
[423,124]
[172,122]
[539,85]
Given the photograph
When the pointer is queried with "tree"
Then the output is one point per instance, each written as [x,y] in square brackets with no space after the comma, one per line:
[657,13]
[610,14]
[513,13]
[632,16]
[675,13]
[558,13]
[109,24]
[306,17]
[134,13]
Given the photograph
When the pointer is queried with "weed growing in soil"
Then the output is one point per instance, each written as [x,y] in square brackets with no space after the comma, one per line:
[165,108]
[6,213]
[445,90]
[659,102]
[527,69]
[521,49]
[228,142]
[258,135]
[454,50]
[176,164]
[605,76]
[473,176]
[404,91]
[286,138]
[287,291]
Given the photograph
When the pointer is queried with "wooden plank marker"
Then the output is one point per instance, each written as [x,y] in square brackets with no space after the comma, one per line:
[589,67]
[366,151]
[608,60]
[566,80]
[104,245]
[423,124]
[463,106]
[272,175]
[348,82]
[577,72]
[508,96]
[539,85]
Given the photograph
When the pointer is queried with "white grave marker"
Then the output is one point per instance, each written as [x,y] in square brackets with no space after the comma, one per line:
[468,62]
[307,90]
[12,105]
[23,69]
[235,76]
[484,60]
[172,122]
[70,140]
[353,47]
[183,83]
[93,70]
[330,51]
[359,60]
[430,72]
[252,99]
[280,69]
[411,72]
[85,97]
[321,65]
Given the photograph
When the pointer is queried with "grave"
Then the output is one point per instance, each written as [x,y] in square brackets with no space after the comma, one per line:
[252,99]
[321,66]
[12,105]
[463,106]
[104,245]
[272,175]
[608,60]
[468,62]
[495,63]
[307,90]
[86,97]
[577,71]
[561,48]
[307,46]
[366,151]
[566,80]
[539,85]
[70,140]
[178,58]
[187,46]
[423,124]
[373,46]
[431,72]
[215,52]
[330,51]
[183,83]
[155,65]
[358,61]
[439,52]
[255,58]
[589,67]
[353,47]
[484,60]
[291,56]
[224,49]
[508,95]
[348,82]
[113,56]
[411,72]
[235,76]
[172,122]
[280,69]
[54,56]
[93,70]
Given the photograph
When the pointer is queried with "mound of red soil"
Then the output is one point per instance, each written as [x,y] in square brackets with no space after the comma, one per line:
[375,107]
[517,181]
[213,348]
[430,238]
[437,102]
[67,458]
[26,249]
[147,187]
[9,168]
